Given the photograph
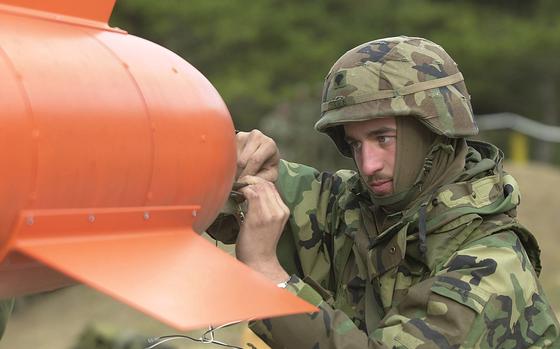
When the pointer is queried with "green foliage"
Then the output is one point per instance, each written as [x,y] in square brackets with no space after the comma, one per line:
[262,54]
[290,125]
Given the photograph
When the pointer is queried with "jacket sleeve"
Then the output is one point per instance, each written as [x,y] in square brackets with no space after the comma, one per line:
[486,296]
[6,307]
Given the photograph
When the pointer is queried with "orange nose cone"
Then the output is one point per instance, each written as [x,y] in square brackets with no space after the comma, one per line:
[119,154]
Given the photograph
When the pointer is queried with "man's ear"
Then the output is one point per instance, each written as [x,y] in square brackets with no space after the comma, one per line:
[337,135]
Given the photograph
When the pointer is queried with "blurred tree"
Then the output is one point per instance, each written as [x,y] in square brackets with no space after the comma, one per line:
[290,124]
[260,55]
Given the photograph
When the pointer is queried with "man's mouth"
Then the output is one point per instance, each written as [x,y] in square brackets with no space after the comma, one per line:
[382,186]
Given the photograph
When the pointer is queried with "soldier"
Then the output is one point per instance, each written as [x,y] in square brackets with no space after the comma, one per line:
[418,248]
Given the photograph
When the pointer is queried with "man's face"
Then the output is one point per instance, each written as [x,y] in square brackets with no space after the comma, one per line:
[374,144]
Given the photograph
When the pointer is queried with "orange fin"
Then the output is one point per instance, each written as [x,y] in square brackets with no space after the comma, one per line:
[164,270]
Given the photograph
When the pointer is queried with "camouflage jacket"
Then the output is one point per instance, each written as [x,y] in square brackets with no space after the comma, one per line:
[456,271]
[6,307]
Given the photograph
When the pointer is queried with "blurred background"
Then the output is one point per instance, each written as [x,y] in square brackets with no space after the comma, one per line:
[268,59]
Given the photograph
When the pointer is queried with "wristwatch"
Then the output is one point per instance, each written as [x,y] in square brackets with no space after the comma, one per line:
[284,284]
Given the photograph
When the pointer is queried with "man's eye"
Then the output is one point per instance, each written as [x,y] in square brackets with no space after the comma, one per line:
[385,139]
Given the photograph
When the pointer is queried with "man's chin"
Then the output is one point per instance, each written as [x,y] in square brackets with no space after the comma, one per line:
[381,194]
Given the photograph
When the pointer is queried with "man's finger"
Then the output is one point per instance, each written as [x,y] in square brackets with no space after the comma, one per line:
[268,174]
[271,157]
[245,152]
[263,163]
[257,154]
[251,180]
[253,163]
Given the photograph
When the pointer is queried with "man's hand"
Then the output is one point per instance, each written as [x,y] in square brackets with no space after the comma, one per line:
[257,240]
[257,155]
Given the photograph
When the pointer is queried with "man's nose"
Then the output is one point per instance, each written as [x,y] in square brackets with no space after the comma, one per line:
[371,159]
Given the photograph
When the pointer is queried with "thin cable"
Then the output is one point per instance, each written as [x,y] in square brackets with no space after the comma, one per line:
[206,338]
[160,340]
[163,339]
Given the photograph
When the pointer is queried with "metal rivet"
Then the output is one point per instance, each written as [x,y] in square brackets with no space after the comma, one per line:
[91,218]
[392,250]
[30,220]
[194,213]
[146,216]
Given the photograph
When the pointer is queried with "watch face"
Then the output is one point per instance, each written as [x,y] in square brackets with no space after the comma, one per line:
[284,284]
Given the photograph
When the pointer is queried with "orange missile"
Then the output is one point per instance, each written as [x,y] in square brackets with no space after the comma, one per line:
[116,155]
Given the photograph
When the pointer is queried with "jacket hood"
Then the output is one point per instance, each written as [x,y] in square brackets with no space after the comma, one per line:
[482,190]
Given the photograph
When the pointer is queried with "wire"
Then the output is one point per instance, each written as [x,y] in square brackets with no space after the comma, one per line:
[163,339]
[206,338]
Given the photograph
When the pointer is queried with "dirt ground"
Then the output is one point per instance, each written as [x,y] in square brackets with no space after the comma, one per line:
[55,320]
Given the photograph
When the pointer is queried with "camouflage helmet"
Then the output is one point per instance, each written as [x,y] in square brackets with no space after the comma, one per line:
[399,76]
